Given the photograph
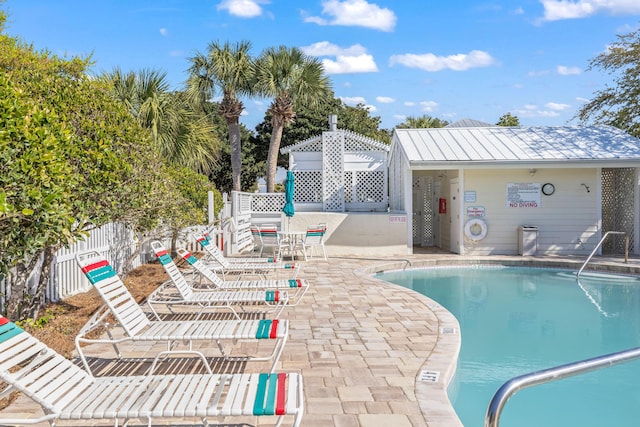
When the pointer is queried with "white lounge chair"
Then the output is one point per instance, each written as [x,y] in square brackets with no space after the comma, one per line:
[137,327]
[296,287]
[221,264]
[65,391]
[273,299]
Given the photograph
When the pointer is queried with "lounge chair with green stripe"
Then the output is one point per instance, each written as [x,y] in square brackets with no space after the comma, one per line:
[296,287]
[221,264]
[65,391]
[132,325]
[206,299]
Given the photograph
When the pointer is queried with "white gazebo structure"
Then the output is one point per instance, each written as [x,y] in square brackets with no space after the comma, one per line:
[339,171]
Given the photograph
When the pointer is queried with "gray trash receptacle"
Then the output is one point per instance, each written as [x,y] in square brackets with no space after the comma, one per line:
[527,240]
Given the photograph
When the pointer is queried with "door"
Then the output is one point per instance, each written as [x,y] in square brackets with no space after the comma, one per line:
[423,214]
[456,229]
[437,195]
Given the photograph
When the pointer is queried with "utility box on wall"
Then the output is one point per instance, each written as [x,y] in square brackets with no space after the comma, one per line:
[527,240]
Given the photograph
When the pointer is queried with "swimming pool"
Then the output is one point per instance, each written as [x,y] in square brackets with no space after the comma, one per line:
[517,320]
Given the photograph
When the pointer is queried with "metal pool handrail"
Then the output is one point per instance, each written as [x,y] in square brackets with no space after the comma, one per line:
[626,249]
[516,384]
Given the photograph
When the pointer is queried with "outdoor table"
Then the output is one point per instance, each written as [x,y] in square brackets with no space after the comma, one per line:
[291,238]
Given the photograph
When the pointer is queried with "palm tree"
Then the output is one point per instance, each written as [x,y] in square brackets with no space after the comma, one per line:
[291,78]
[231,69]
[183,134]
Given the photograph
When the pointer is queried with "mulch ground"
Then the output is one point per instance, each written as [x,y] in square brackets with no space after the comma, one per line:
[70,315]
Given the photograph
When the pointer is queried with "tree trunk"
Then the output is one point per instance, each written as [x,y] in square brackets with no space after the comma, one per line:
[19,292]
[272,157]
[38,299]
[236,153]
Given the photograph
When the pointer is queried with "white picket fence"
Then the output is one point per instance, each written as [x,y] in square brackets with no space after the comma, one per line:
[115,241]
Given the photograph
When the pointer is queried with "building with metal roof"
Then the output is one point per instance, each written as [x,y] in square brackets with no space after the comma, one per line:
[486,189]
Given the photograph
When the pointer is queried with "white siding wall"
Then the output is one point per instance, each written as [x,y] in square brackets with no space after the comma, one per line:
[569,215]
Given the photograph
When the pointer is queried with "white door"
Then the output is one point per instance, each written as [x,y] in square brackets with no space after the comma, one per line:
[437,194]
[456,229]
[423,214]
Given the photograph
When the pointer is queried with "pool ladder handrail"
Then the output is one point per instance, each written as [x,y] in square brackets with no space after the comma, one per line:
[511,387]
[626,249]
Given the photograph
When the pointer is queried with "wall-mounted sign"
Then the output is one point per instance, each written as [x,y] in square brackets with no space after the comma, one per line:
[523,195]
[469,196]
[475,211]
[397,219]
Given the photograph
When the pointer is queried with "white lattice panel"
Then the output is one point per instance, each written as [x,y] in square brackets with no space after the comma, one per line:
[333,171]
[308,187]
[267,202]
[369,186]
[618,189]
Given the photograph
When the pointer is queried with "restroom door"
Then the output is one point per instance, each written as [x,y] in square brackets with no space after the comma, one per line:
[437,226]
[423,210]
[454,188]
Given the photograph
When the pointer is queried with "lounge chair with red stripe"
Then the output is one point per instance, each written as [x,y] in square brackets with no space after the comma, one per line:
[223,265]
[132,324]
[65,391]
[296,287]
[206,299]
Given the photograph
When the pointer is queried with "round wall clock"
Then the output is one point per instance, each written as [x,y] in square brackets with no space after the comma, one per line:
[548,189]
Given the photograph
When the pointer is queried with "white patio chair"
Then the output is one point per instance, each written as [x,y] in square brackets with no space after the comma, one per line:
[135,326]
[312,239]
[65,391]
[275,300]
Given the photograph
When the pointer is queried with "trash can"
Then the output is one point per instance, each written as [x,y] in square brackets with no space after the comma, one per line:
[527,240]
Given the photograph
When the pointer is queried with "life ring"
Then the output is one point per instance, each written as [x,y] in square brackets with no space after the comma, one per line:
[475,229]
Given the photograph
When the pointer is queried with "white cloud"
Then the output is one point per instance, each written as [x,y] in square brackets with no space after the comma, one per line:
[555,10]
[429,106]
[556,106]
[353,59]
[164,31]
[409,103]
[537,73]
[242,8]
[431,62]
[329,49]
[371,108]
[533,111]
[355,13]
[353,100]
[581,99]
[385,99]
[350,64]
[568,71]
[400,117]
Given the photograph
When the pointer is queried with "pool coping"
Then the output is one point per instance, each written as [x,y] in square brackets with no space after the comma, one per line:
[438,370]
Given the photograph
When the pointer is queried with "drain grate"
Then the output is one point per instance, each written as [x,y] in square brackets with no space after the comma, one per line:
[447,330]
[430,376]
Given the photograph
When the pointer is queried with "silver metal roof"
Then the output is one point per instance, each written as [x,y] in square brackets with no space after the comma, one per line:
[501,145]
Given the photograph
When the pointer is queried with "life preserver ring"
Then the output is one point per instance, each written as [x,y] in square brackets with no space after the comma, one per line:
[475,229]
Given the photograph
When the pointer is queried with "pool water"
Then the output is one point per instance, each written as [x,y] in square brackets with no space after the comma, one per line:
[517,320]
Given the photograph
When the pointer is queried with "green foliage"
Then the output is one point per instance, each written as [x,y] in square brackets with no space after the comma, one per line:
[508,120]
[40,322]
[189,198]
[423,122]
[618,105]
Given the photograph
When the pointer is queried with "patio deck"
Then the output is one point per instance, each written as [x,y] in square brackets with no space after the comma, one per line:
[362,345]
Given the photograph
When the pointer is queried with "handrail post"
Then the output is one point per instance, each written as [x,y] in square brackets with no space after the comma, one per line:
[626,251]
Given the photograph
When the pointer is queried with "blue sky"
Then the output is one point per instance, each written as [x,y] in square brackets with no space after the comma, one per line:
[449,59]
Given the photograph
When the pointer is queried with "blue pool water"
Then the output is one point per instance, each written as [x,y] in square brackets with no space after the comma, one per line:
[517,320]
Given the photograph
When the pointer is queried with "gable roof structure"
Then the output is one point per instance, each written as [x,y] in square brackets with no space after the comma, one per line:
[315,143]
[550,146]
